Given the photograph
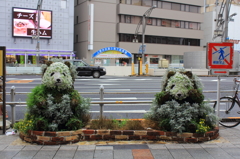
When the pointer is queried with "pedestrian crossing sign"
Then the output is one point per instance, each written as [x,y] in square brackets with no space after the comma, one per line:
[220,55]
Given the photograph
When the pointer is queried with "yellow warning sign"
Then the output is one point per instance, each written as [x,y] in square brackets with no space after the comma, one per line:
[19,81]
[1,63]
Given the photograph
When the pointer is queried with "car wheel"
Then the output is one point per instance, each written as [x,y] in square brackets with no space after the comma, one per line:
[96,74]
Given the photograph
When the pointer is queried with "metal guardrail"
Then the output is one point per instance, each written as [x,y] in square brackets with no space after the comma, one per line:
[101,103]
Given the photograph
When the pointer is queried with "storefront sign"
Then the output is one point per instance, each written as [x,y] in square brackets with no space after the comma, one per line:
[25,23]
[112,52]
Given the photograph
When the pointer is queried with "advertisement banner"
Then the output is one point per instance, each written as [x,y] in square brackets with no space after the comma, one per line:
[25,23]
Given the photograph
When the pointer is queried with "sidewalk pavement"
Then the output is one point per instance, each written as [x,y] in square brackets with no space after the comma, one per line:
[227,146]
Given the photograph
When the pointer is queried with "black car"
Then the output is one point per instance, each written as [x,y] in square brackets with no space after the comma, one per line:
[84,69]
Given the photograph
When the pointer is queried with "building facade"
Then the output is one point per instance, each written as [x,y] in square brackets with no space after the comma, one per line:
[172,28]
[18,26]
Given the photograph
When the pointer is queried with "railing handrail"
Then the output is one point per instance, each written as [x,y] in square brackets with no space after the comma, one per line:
[209,91]
[104,102]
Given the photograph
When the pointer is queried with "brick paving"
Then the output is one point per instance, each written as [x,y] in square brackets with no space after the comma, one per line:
[226,146]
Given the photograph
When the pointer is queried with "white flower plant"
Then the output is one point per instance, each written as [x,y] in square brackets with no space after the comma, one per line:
[180,103]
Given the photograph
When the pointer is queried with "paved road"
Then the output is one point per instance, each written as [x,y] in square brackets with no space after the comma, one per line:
[112,84]
[227,146]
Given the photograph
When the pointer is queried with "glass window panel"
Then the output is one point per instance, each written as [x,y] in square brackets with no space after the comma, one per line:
[154,21]
[193,9]
[122,18]
[128,1]
[155,3]
[128,19]
[182,7]
[182,24]
[186,25]
[166,5]
[154,39]
[149,21]
[164,40]
[154,60]
[177,24]
[166,23]
[158,22]
[159,40]
[187,8]
[135,19]
[173,23]
[193,26]
[147,3]
[137,2]
[176,6]
[122,1]
[11,60]
[159,4]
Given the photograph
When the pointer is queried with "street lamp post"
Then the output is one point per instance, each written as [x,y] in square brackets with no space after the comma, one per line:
[143,23]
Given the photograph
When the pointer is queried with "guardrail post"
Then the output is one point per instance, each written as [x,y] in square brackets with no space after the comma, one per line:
[13,105]
[101,92]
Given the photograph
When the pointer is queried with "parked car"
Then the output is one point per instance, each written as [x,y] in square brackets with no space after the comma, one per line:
[84,69]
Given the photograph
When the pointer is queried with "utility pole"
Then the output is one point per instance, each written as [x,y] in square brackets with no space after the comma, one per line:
[39,7]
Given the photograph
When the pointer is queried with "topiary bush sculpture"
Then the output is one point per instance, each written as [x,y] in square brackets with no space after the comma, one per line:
[54,105]
[180,106]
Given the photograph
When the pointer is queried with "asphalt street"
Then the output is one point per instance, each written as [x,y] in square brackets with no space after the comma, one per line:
[116,88]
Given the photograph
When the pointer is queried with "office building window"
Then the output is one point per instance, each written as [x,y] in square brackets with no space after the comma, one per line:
[193,25]
[182,24]
[193,9]
[186,25]
[166,5]
[154,21]
[77,19]
[149,21]
[159,4]
[176,6]
[160,40]
[137,2]
[166,23]
[182,7]
[158,22]
[127,19]
[155,2]
[147,3]
[187,8]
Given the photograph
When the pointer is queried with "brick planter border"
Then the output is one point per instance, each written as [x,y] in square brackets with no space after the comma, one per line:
[69,137]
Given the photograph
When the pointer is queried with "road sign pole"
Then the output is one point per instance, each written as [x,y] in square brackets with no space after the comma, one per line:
[218,100]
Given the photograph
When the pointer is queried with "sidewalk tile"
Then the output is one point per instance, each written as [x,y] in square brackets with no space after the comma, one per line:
[199,153]
[86,147]
[157,146]
[161,154]
[103,154]
[45,154]
[122,154]
[180,154]
[26,154]
[86,154]
[104,147]
[218,153]
[142,154]
[64,154]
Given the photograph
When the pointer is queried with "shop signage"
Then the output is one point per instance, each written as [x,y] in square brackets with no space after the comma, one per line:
[112,52]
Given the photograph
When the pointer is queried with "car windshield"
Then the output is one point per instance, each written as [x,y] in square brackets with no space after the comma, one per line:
[80,63]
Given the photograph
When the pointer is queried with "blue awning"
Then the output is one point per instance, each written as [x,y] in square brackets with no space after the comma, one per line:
[123,51]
